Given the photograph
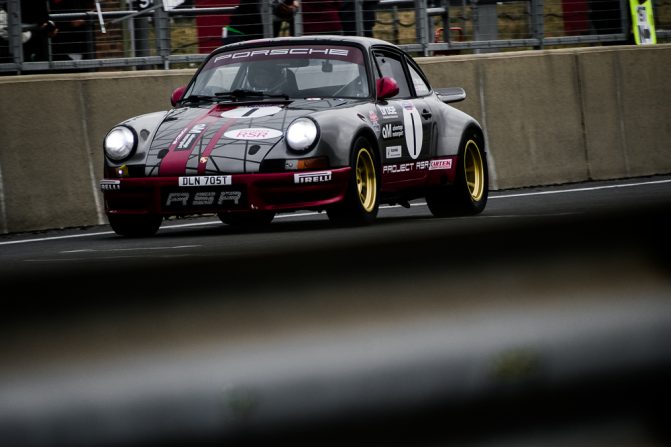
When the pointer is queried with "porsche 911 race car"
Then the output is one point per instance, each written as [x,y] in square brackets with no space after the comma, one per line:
[338,124]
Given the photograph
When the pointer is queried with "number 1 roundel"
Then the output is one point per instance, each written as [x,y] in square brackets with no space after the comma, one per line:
[413,130]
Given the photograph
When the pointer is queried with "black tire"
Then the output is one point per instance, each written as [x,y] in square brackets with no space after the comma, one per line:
[362,199]
[468,195]
[143,225]
[247,219]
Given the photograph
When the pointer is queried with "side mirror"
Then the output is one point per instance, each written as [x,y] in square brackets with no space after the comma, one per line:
[177,95]
[386,87]
[451,94]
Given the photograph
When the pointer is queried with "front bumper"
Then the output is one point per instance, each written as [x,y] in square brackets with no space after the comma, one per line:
[286,191]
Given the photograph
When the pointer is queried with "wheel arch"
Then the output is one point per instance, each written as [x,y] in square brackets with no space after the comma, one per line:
[473,129]
[369,135]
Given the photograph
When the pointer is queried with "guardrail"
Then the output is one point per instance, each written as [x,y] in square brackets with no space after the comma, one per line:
[154,35]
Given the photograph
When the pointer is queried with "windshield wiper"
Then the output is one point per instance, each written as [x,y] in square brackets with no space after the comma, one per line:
[241,93]
[197,98]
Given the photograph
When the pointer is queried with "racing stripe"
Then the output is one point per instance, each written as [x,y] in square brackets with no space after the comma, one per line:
[174,162]
[202,162]
[189,138]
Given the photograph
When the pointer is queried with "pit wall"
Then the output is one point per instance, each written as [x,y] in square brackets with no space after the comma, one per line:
[551,117]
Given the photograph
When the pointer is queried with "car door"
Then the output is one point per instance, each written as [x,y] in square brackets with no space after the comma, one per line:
[406,124]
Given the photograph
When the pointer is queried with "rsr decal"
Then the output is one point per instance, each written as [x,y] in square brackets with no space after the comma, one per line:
[406,167]
[202,198]
[253,133]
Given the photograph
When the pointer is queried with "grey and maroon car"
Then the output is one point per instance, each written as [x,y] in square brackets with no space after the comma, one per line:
[333,123]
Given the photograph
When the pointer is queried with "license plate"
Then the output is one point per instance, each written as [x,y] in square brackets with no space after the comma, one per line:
[205,180]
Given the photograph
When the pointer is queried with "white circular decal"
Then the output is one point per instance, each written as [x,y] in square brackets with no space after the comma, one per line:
[253,133]
[413,130]
[250,112]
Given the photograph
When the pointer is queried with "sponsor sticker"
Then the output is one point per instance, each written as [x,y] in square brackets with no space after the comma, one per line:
[441,164]
[110,185]
[251,112]
[205,180]
[394,152]
[185,141]
[406,167]
[374,120]
[253,133]
[388,111]
[313,177]
[392,130]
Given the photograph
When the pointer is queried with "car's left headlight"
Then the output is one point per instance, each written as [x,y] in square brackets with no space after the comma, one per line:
[120,143]
[302,134]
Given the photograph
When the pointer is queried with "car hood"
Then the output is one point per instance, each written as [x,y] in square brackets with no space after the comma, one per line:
[225,138]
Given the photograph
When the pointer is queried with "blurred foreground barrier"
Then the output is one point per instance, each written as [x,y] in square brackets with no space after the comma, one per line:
[551,116]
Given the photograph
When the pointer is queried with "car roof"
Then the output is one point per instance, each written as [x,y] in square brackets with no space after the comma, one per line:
[365,42]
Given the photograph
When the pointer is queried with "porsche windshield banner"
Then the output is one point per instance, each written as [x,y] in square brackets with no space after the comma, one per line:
[348,54]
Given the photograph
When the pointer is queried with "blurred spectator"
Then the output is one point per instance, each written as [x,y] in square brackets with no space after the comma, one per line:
[321,16]
[606,16]
[37,29]
[4,34]
[247,22]
[35,18]
[73,41]
[348,17]
[284,12]
[576,17]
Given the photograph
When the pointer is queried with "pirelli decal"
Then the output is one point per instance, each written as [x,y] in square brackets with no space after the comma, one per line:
[110,185]
[313,177]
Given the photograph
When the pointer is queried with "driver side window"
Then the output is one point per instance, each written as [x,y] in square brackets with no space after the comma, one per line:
[421,89]
[391,65]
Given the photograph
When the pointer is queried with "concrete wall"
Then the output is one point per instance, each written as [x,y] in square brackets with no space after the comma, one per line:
[551,117]
[51,141]
[568,115]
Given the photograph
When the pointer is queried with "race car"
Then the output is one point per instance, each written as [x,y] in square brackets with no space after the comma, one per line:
[330,123]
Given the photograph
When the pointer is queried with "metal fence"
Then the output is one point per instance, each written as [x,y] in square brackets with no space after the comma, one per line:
[105,35]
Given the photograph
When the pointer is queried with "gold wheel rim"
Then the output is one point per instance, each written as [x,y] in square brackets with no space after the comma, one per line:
[366,182]
[474,170]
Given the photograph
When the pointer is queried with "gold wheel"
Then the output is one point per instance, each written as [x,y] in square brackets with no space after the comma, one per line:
[366,182]
[360,203]
[474,170]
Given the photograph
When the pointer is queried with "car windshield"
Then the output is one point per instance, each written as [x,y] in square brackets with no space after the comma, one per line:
[307,71]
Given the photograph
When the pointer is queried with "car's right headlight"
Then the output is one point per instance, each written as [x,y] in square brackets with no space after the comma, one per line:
[302,134]
[120,143]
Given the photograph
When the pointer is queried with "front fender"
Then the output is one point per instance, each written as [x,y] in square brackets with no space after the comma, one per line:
[145,127]
[339,128]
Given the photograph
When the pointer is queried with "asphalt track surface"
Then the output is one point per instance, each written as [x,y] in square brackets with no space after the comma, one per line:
[543,321]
